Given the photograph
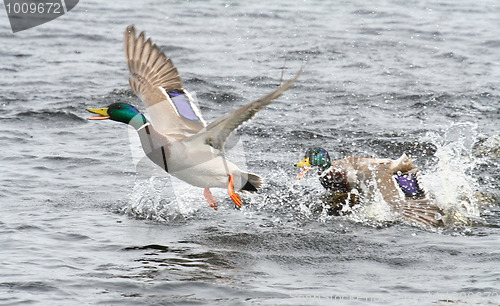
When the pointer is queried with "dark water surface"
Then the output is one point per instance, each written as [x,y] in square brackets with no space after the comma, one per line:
[79,224]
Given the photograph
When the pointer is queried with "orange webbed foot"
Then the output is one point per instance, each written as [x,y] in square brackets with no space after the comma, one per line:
[230,189]
[236,199]
[210,198]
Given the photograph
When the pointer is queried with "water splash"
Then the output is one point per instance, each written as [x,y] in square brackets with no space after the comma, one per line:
[375,210]
[163,199]
[451,181]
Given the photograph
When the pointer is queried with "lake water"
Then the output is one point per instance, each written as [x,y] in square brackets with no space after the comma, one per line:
[82,223]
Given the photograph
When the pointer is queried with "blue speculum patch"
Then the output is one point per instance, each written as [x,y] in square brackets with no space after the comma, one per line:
[409,185]
[182,104]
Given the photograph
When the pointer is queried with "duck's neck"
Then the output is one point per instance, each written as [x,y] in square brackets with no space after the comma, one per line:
[324,166]
[138,121]
[155,145]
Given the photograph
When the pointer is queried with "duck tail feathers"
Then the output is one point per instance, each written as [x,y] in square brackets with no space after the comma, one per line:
[253,183]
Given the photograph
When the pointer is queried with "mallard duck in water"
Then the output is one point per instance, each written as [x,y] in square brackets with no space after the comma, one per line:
[396,180]
[177,139]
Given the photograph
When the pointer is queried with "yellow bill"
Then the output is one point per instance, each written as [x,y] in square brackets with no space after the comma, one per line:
[303,164]
[102,113]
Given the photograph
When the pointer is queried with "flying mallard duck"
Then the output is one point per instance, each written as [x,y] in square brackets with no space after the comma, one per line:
[177,139]
[396,180]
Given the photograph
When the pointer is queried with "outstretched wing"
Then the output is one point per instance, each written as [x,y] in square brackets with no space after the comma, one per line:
[218,131]
[154,79]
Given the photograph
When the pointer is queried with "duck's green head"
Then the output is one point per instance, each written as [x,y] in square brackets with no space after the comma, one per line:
[121,112]
[314,157]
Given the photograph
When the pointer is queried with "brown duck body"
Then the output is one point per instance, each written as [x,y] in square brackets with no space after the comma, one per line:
[370,176]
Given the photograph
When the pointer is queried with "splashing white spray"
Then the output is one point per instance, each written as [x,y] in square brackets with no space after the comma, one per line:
[450,182]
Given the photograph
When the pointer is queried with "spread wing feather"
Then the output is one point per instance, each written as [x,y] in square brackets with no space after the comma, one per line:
[155,80]
[218,131]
